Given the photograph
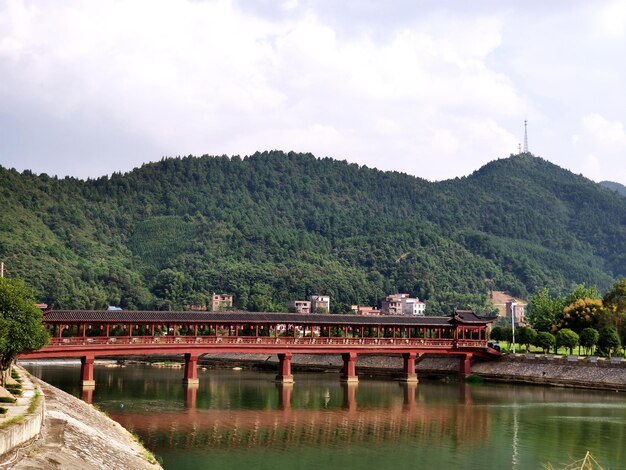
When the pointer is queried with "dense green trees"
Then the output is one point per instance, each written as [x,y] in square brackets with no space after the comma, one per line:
[608,341]
[21,327]
[544,309]
[567,338]
[273,227]
[588,339]
[545,341]
[526,335]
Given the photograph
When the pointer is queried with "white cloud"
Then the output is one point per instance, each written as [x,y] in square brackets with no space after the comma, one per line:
[607,134]
[427,91]
[611,18]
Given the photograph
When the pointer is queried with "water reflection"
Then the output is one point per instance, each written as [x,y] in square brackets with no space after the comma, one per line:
[319,422]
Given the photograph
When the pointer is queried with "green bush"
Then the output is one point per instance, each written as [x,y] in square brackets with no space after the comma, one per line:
[3,411]
[7,400]
[545,341]
[14,389]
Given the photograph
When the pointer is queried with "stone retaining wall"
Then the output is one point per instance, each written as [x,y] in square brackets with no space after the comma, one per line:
[18,434]
[570,371]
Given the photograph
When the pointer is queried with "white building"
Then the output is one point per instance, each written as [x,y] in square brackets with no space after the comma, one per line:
[402,304]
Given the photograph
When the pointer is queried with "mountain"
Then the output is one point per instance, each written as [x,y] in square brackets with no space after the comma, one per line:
[274,227]
[617,187]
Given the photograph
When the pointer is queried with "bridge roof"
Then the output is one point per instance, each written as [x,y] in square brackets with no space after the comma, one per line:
[128,316]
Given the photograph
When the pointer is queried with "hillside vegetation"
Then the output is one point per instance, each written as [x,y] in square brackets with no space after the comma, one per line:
[274,227]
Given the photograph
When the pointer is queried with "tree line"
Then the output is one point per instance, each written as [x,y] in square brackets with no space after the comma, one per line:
[582,319]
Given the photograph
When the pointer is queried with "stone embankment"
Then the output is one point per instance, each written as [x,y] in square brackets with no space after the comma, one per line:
[568,371]
[24,417]
[76,435]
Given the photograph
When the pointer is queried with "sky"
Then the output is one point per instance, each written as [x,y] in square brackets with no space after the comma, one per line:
[434,88]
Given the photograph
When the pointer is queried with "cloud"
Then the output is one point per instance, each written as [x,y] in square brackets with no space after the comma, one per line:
[601,144]
[611,18]
[430,91]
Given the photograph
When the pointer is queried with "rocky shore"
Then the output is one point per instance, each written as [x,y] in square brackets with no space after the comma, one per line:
[76,435]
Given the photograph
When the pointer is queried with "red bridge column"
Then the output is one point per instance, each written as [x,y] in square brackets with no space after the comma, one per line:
[408,372]
[191,369]
[284,369]
[348,373]
[86,372]
[465,366]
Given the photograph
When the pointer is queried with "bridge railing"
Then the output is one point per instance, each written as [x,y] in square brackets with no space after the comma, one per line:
[265,340]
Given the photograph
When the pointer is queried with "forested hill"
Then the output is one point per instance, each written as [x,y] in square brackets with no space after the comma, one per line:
[274,227]
[617,187]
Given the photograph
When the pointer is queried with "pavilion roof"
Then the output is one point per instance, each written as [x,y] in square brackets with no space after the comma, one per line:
[129,316]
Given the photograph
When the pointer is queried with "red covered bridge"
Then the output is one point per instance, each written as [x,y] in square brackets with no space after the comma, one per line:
[89,334]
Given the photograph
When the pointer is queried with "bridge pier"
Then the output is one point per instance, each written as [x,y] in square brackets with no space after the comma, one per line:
[465,366]
[284,369]
[86,394]
[408,371]
[348,373]
[86,372]
[191,370]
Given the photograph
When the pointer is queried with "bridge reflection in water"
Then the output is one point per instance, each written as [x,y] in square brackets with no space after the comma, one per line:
[409,420]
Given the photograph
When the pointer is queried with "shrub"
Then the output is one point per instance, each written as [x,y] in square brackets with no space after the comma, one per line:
[3,411]
[588,339]
[608,341]
[567,338]
[545,341]
[7,400]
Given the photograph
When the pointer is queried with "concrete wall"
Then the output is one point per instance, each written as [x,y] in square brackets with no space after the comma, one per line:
[19,433]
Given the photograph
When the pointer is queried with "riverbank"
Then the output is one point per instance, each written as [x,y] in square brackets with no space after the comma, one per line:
[76,435]
[562,371]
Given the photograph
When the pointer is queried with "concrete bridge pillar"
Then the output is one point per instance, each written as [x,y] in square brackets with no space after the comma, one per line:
[465,366]
[408,371]
[87,394]
[284,369]
[86,372]
[191,370]
[348,373]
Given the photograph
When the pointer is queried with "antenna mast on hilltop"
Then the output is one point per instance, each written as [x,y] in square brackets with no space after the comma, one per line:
[525,136]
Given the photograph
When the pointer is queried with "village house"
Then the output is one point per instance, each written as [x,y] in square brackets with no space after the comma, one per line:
[402,304]
[221,302]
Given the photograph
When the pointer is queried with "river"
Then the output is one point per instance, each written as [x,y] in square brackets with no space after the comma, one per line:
[242,420]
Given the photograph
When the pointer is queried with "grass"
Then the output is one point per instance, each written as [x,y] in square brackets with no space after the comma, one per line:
[474,379]
[506,348]
[32,407]
[145,453]
[34,402]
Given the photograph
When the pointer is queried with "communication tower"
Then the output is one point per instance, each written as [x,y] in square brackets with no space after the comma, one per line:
[525,136]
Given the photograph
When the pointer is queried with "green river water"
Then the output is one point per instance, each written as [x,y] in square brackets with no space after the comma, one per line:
[242,420]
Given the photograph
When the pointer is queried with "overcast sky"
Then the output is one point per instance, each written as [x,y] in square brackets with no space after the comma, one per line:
[431,88]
